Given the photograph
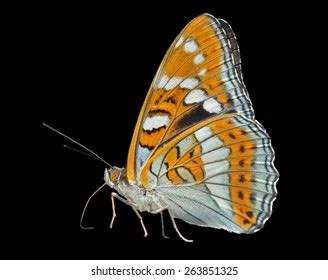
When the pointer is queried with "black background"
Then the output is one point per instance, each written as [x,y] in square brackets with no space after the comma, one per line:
[86,70]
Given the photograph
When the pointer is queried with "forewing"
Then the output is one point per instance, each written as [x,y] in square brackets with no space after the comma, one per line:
[199,78]
[219,173]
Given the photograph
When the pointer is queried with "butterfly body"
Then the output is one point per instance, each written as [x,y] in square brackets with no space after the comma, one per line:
[142,199]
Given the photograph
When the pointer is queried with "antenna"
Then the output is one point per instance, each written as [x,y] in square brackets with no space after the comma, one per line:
[79,151]
[77,143]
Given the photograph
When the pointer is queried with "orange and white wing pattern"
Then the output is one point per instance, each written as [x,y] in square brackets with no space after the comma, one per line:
[196,141]
[219,173]
[199,77]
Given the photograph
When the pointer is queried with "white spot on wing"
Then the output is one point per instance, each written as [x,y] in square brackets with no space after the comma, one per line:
[199,58]
[180,41]
[202,72]
[191,46]
[143,154]
[211,144]
[155,122]
[172,83]
[203,133]
[185,144]
[212,106]
[195,96]
[189,83]
[162,82]
[212,147]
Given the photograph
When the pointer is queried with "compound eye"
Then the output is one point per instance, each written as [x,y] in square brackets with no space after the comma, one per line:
[114,175]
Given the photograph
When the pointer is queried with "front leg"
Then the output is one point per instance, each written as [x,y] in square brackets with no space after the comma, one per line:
[115,195]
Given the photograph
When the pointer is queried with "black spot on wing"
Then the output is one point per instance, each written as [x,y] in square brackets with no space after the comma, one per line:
[178,152]
[193,116]
[250,214]
[153,129]
[232,136]
[158,100]
[246,221]
[158,112]
[242,148]
[149,147]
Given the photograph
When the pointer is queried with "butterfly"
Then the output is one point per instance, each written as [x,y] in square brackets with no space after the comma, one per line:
[197,152]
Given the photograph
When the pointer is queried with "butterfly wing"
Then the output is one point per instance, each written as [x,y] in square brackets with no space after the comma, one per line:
[218,173]
[196,140]
[199,78]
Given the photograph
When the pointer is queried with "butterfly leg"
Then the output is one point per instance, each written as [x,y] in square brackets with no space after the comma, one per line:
[115,195]
[177,230]
[160,211]
[162,223]
[141,220]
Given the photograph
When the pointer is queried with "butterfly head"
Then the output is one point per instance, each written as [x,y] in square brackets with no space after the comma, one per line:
[112,175]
